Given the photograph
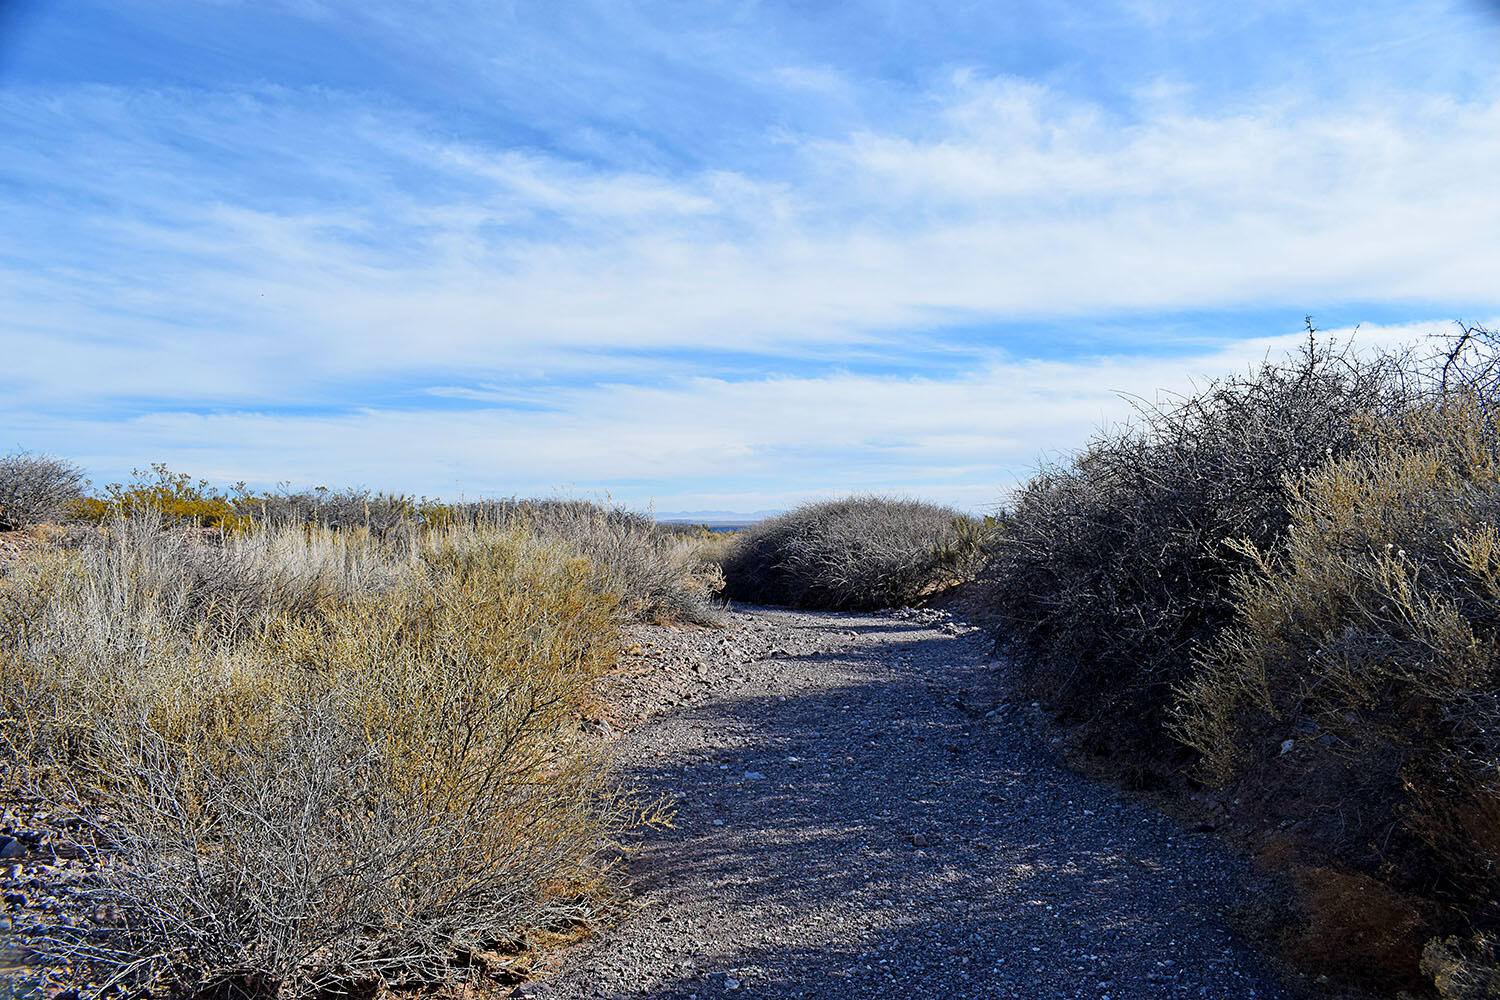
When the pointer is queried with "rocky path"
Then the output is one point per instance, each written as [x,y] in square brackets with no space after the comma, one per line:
[866,812]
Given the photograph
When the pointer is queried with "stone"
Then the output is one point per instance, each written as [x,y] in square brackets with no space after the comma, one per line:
[11,850]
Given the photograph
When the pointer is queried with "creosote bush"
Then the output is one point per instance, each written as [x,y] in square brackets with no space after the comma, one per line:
[1111,568]
[860,552]
[309,761]
[37,488]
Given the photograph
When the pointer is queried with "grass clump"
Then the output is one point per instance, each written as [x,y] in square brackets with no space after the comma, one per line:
[37,488]
[857,553]
[313,762]
[1112,567]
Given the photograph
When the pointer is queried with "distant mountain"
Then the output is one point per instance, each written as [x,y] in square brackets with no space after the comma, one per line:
[714,516]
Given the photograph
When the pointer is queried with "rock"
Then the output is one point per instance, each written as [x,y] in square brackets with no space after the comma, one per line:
[754,776]
[1288,746]
[11,850]
[14,898]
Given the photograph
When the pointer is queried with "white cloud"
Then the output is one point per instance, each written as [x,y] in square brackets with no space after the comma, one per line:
[1024,204]
[692,443]
[214,260]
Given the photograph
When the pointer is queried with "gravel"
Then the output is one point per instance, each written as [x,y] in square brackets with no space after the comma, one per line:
[865,810]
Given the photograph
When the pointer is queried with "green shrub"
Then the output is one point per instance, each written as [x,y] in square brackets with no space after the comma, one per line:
[1111,568]
[861,552]
[309,761]
[37,488]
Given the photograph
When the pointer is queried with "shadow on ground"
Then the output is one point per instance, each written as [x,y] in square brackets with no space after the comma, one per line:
[872,832]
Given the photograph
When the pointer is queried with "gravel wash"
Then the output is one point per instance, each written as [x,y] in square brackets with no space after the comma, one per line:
[865,811]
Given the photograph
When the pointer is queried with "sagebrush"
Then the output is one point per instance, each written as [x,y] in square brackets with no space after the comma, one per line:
[314,762]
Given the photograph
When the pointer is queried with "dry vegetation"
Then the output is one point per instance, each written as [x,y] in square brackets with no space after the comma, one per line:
[1288,586]
[37,488]
[859,552]
[329,737]
[315,759]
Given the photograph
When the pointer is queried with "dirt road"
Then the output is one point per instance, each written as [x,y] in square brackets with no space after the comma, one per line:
[865,811]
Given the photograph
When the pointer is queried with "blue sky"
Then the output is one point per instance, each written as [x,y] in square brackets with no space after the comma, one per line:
[707,255]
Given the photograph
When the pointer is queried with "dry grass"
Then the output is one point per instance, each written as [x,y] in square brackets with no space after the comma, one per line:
[655,578]
[314,762]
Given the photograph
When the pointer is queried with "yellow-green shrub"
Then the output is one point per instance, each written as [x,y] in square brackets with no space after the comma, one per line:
[318,761]
[172,498]
[1361,671]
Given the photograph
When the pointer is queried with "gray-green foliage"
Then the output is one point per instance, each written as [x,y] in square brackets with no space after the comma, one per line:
[859,552]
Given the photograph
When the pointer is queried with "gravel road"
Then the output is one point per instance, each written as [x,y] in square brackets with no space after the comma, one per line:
[864,810]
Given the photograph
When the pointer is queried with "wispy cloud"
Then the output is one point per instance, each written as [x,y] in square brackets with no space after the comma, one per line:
[696,442]
[320,281]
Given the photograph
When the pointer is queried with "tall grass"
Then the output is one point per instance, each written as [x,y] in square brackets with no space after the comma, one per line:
[656,576]
[310,760]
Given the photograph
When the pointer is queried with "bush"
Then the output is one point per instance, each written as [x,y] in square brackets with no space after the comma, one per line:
[37,488]
[654,574]
[1361,669]
[1110,569]
[861,552]
[167,498]
[311,762]
[655,571]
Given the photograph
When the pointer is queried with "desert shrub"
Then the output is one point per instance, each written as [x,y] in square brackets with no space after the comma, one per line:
[1463,969]
[37,488]
[347,508]
[860,552]
[309,761]
[656,577]
[1110,568]
[1368,643]
[166,497]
